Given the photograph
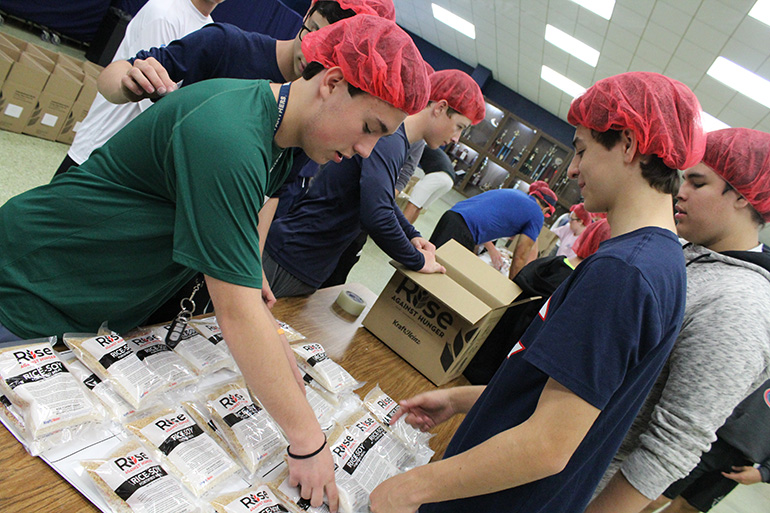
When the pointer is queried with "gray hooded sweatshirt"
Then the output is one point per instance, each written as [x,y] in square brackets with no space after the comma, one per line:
[722,355]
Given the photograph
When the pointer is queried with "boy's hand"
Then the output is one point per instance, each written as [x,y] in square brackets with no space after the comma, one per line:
[147,79]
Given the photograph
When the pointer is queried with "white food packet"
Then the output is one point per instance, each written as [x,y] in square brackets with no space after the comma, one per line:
[154,352]
[113,361]
[119,410]
[249,430]
[292,335]
[203,356]
[185,449]
[312,358]
[130,480]
[259,499]
[43,393]
[383,407]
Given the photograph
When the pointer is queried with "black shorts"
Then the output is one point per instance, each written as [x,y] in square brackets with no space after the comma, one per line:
[706,486]
[451,225]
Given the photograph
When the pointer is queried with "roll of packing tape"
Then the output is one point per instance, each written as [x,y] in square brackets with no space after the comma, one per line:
[351,302]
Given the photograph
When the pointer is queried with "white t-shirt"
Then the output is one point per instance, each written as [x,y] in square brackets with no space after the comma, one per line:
[157,23]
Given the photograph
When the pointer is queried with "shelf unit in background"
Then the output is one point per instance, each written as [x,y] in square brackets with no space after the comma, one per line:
[504,150]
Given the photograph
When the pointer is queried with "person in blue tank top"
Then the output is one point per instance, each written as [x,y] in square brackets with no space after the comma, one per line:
[539,437]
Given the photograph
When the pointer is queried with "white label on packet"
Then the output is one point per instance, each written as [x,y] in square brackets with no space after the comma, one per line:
[197,350]
[254,429]
[328,373]
[189,448]
[367,429]
[116,404]
[143,484]
[37,375]
[122,364]
[154,352]
[259,500]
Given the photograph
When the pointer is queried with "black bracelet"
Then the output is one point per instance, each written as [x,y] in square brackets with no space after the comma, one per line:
[306,456]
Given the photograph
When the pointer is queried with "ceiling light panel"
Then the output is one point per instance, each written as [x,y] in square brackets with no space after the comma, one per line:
[449,18]
[741,79]
[560,81]
[761,11]
[710,123]
[571,45]
[603,8]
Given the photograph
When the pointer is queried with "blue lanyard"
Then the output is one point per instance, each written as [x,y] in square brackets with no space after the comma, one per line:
[283,99]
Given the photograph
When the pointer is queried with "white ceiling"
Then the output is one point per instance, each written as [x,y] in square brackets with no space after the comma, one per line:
[679,38]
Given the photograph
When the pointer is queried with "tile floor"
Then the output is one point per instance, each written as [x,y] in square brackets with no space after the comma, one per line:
[27,162]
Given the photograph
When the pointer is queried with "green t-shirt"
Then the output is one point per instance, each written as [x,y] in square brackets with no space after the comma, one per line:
[176,192]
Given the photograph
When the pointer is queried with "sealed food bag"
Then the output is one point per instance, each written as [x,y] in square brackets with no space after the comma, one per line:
[154,352]
[131,481]
[259,499]
[290,495]
[186,450]
[358,470]
[371,433]
[203,356]
[202,416]
[11,414]
[117,407]
[249,430]
[383,407]
[113,361]
[42,391]
[292,335]
[209,328]
[312,359]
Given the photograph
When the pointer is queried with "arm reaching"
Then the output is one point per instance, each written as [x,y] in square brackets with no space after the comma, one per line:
[254,342]
[122,82]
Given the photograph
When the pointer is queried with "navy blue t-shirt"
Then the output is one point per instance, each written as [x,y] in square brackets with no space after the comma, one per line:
[218,50]
[221,50]
[501,213]
[344,198]
[604,334]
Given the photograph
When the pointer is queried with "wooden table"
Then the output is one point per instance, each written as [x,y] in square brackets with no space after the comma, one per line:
[28,484]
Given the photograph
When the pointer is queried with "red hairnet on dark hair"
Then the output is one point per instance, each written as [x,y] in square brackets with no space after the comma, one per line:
[588,241]
[460,91]
[375,55]
[382,8]
[741,156]
[663,113]
[540,189]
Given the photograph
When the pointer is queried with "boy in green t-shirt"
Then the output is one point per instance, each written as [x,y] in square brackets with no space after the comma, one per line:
[178,191]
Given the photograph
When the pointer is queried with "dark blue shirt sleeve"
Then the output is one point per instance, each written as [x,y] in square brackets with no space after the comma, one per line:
[379,213]
[217,50]
[590,341]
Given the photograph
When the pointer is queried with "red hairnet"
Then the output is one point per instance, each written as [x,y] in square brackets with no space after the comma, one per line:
[588,241]
[382,8]
[540,189]
[662,112]
[460,91]
[741,156]
[375,55]
[581,213]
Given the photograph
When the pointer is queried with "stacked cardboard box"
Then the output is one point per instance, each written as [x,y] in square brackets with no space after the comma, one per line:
[43,93]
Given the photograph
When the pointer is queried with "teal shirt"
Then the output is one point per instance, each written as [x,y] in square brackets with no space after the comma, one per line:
[176,192]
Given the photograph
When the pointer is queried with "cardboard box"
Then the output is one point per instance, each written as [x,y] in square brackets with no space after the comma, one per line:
[22,88]
[6,62]
[437,322]
[79,110]
[55,102]
[91,69]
